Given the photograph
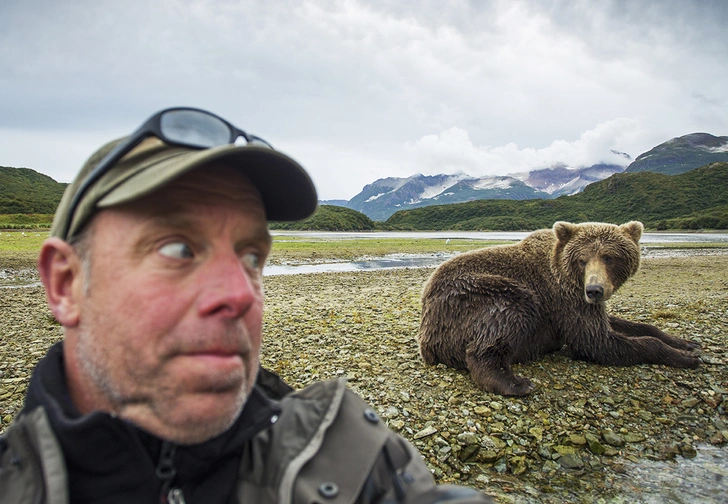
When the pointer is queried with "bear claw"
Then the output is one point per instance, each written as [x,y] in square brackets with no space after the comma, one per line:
[691,345]
[522,386]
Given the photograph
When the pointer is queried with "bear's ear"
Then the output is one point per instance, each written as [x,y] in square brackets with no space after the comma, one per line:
[564,231]
[633,229]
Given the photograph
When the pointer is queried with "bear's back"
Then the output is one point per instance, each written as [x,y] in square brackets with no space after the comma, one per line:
[526,261]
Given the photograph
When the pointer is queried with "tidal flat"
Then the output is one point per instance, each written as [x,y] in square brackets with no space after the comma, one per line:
[588,433]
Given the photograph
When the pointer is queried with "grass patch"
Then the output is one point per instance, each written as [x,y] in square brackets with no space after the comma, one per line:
[22,241]
[19,249]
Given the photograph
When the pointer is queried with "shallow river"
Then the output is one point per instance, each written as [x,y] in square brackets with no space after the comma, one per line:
[701,480]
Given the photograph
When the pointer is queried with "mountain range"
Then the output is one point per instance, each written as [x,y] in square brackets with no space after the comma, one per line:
[25,191]
[382,198]
[697,199]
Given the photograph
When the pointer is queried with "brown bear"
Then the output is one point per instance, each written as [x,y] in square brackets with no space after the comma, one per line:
[487,309]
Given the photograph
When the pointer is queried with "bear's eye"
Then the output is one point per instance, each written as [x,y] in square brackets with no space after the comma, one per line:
[582,263]
[607,259]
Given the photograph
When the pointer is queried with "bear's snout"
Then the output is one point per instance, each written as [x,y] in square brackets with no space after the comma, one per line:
[597,287]
[594,293]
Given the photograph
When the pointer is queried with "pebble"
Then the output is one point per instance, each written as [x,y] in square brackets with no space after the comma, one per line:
[612,439]
[468,438]
[427,431]
[571,461]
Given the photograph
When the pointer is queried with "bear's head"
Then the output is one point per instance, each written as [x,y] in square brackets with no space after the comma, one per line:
[596,257]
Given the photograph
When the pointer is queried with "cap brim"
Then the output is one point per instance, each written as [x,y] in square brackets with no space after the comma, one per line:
[287,191]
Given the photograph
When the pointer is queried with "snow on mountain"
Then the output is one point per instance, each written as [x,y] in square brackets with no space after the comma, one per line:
[493,183]
[434,190]
[376,196]
[559,180]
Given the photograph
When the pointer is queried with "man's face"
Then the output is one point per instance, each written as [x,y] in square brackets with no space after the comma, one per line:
[170,318]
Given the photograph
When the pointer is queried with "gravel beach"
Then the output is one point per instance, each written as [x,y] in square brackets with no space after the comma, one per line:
[588,433]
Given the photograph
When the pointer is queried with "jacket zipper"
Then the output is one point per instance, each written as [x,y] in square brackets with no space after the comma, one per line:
[166,473]
[175,496]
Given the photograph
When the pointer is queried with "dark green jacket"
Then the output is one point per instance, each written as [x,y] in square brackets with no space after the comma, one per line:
[325,445]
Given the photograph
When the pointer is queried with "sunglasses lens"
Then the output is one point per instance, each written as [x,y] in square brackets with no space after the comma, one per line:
[196,128]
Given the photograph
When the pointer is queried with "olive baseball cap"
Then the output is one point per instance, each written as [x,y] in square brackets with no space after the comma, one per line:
[287,190]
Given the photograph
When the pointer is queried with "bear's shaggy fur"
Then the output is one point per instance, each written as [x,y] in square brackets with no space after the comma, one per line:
[487,309]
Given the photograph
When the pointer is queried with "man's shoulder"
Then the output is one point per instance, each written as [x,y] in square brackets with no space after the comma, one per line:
[321,401]
[31,461]
[331,405]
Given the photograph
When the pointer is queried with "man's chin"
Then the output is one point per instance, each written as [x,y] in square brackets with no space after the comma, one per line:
[208,416]
[193,418]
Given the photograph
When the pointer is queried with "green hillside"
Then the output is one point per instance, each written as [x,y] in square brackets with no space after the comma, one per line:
[25,191]
[329,218]
[658,200]
[682,154]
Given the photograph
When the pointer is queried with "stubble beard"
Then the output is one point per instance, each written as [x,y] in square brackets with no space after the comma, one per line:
[91,360]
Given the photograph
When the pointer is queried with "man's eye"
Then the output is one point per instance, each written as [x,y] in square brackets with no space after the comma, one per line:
[176,250]
[252,261]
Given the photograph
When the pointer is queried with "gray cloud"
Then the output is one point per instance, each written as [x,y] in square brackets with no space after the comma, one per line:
[360,90]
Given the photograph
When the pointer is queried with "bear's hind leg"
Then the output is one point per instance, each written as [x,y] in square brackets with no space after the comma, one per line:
[496,376]
[504,330]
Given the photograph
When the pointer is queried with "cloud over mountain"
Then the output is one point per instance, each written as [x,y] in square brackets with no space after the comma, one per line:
[452,150]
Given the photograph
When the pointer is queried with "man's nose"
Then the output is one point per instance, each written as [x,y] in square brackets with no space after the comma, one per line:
[228,287]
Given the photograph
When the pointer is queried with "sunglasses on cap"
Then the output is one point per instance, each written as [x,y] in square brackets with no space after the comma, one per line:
[180,126]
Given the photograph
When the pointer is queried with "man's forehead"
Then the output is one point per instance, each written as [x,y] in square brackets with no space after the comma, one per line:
[215,180]
[215,185]
[212,185]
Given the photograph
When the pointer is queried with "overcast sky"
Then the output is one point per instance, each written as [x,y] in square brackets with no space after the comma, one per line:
[360,90]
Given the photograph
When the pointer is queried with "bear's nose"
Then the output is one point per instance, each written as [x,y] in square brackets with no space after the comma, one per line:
[595,292]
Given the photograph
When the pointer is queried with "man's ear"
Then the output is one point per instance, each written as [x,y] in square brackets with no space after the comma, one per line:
[62,274]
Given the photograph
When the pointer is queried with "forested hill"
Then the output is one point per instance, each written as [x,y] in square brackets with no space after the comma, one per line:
[329,218]
[697,199]
[25,191]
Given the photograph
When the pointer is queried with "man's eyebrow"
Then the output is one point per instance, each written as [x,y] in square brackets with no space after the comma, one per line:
[262,234]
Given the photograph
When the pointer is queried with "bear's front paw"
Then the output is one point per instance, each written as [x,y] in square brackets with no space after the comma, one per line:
[520,386]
